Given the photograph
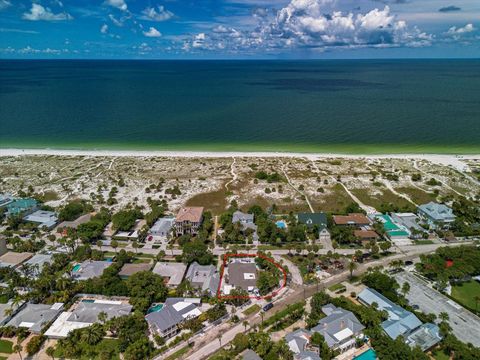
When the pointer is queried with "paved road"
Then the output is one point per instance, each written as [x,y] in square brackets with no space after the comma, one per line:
[203,350]
[465,325]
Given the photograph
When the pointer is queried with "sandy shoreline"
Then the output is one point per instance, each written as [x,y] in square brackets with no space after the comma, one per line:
[444,159]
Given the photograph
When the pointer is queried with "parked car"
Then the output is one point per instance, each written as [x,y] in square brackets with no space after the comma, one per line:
[267,307]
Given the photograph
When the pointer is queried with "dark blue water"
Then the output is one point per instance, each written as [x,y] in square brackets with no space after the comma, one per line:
[277,105]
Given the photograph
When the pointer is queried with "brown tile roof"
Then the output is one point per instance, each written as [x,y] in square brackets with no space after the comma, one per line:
[351,219]
[365,234]
[13,258]
[192,214]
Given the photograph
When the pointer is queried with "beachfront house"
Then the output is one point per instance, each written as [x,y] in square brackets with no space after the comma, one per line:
[175,311]
[42,218]
[188,220]
[246,222]
[339,327]
[34,317]
[162,228]
[356,220]
[89,269]
[437,216]
[318,221]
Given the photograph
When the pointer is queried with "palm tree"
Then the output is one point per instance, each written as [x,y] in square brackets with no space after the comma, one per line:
[50,351]
[102,317]
[114,245]
[245,324]
[351,267]
[443,316]
[135,246]
[18,349]
[100,244]
[405,288]
[220,339]
[334,245]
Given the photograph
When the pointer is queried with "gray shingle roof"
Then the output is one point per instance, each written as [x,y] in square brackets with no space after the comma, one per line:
[241,217]
[90,269]
[36,316]
[170,314]
[87,312]
[332,326]
[204,277]
[400,321]
[437,212]
[297,340]
[309,219]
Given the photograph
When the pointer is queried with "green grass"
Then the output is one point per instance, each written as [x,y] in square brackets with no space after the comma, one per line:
[465,294]
[440,355]
[6,346]
[251,310]
[281,314]
[178,353]
[336,287]
[423,242]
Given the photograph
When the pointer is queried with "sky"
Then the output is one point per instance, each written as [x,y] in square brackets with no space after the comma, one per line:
[239,29]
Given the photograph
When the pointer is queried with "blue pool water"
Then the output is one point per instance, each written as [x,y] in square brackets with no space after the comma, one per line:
[76,268]
[155,308]
[88,301]
[367,355]
[281,224]
[109,259]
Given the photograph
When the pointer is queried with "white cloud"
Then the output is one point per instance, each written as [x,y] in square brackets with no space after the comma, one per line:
[38,12]
[152,32]
[104,29]
[115,21]
[161,14]
[119,4]
[4,4]
[462,30]
[314,24]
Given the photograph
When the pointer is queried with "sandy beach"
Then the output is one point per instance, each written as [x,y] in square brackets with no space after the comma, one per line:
[452,160]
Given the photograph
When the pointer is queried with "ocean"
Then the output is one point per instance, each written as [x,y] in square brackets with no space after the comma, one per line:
[347,106]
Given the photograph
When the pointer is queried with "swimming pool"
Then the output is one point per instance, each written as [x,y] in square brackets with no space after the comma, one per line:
[281,224]
[388,224]
[367,355]
[155,308]
[394,233]
[76,268]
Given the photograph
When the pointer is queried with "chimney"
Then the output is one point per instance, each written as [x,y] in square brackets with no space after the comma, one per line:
[342,324]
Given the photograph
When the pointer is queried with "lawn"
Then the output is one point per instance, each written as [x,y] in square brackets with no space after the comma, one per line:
[106,344]
[423,242]
[252,310]
[6,346]
[336,287]
[466,292]
[179,353]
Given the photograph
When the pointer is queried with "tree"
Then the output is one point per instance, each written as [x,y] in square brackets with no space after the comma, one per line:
[443,316]
[385,245]
[245,324]
[114,245]
[351,267]
[405,288]
[139,350]
[124,220]
[145,288]
[334,246]
[198,251]
[50,351]
[135,245]
[18,349]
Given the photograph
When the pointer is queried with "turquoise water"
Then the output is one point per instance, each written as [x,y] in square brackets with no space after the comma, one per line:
[281,224]
[367,355]
[76,268]
[331,106]
[388,223]
[394,233]
[155,308]
[88,301]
